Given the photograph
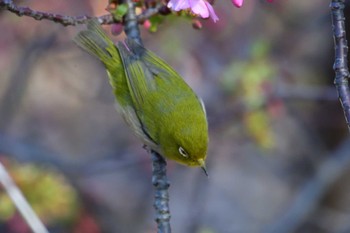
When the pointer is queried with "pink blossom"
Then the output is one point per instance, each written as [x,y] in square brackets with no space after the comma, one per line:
[198,7]
[237,3]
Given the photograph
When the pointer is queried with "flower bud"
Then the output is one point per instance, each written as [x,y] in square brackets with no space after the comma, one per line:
[147,24]
[116,29]
[196,24]
[237,3]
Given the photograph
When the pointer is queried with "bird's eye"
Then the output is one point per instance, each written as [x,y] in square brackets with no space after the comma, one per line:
[183,152]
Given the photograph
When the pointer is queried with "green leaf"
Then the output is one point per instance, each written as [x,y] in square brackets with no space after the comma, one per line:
[155,20]
[120,11]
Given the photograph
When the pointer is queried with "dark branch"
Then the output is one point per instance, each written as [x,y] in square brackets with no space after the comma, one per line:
[161,195]
[130,23]
[69,20]
[341,50]
[159,177]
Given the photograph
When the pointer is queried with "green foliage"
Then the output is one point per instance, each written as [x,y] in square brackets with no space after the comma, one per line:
[155,21]
[120,11]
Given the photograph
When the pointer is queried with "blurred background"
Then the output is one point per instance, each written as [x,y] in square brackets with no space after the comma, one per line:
[279,157]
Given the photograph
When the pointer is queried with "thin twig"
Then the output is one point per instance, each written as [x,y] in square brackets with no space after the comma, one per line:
[159,177]
[341,51]
[20,202]
[130,23]
[161,184]
[70,20]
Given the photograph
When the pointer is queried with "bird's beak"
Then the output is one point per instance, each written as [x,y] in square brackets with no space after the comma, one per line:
[202,165]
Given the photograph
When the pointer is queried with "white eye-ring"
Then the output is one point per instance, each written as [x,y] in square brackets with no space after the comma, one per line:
[183,152]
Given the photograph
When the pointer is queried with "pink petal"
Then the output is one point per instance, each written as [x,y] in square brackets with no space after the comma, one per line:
[170,4]
[200,8]
[212,14]
[178,5]
[238,3]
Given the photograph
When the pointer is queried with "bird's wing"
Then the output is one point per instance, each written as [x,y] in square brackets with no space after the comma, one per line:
[154,64]
[139,129]
[139,77]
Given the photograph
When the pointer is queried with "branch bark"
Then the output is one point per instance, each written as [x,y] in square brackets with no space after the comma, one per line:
[159,177]
[161,195]
[341,51]
[70,20]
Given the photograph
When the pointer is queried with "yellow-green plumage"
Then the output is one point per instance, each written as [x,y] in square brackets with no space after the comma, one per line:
[162,110]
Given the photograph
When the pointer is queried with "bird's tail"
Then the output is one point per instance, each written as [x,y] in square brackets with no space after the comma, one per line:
[95,41]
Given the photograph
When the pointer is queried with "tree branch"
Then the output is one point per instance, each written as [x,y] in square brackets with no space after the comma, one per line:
[161,195]
[341,50]
[130,23]
[159,177]
[70,20]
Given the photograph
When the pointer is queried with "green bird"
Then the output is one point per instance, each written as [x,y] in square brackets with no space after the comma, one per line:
[156,103]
